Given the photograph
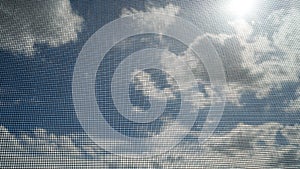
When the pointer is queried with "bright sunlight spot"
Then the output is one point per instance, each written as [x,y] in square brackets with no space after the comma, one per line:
[241,7]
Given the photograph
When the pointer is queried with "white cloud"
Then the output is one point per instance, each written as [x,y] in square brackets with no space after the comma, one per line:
[259,53]
[294,105]
[230,49]
[265,146]
[151,20]
[254,62]
[41,149]
[287,37]
[170,63]
[24,24]
[169,9]
[143,82]
[244,147]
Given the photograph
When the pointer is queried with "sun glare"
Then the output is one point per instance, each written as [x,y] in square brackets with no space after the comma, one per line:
[241,7]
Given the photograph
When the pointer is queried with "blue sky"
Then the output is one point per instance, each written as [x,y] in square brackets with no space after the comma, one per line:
[39,46]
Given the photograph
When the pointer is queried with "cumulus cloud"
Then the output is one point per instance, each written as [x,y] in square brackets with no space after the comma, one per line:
[257,62]
[170,62]
[265,146]
[143,82]
[294,105]
[287,38]
[41,149]
[24,24]
[151,20]
[169,9]
[250,62]
[273,61]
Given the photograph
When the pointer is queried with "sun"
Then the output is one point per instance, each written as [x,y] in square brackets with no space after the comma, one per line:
[240,8]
